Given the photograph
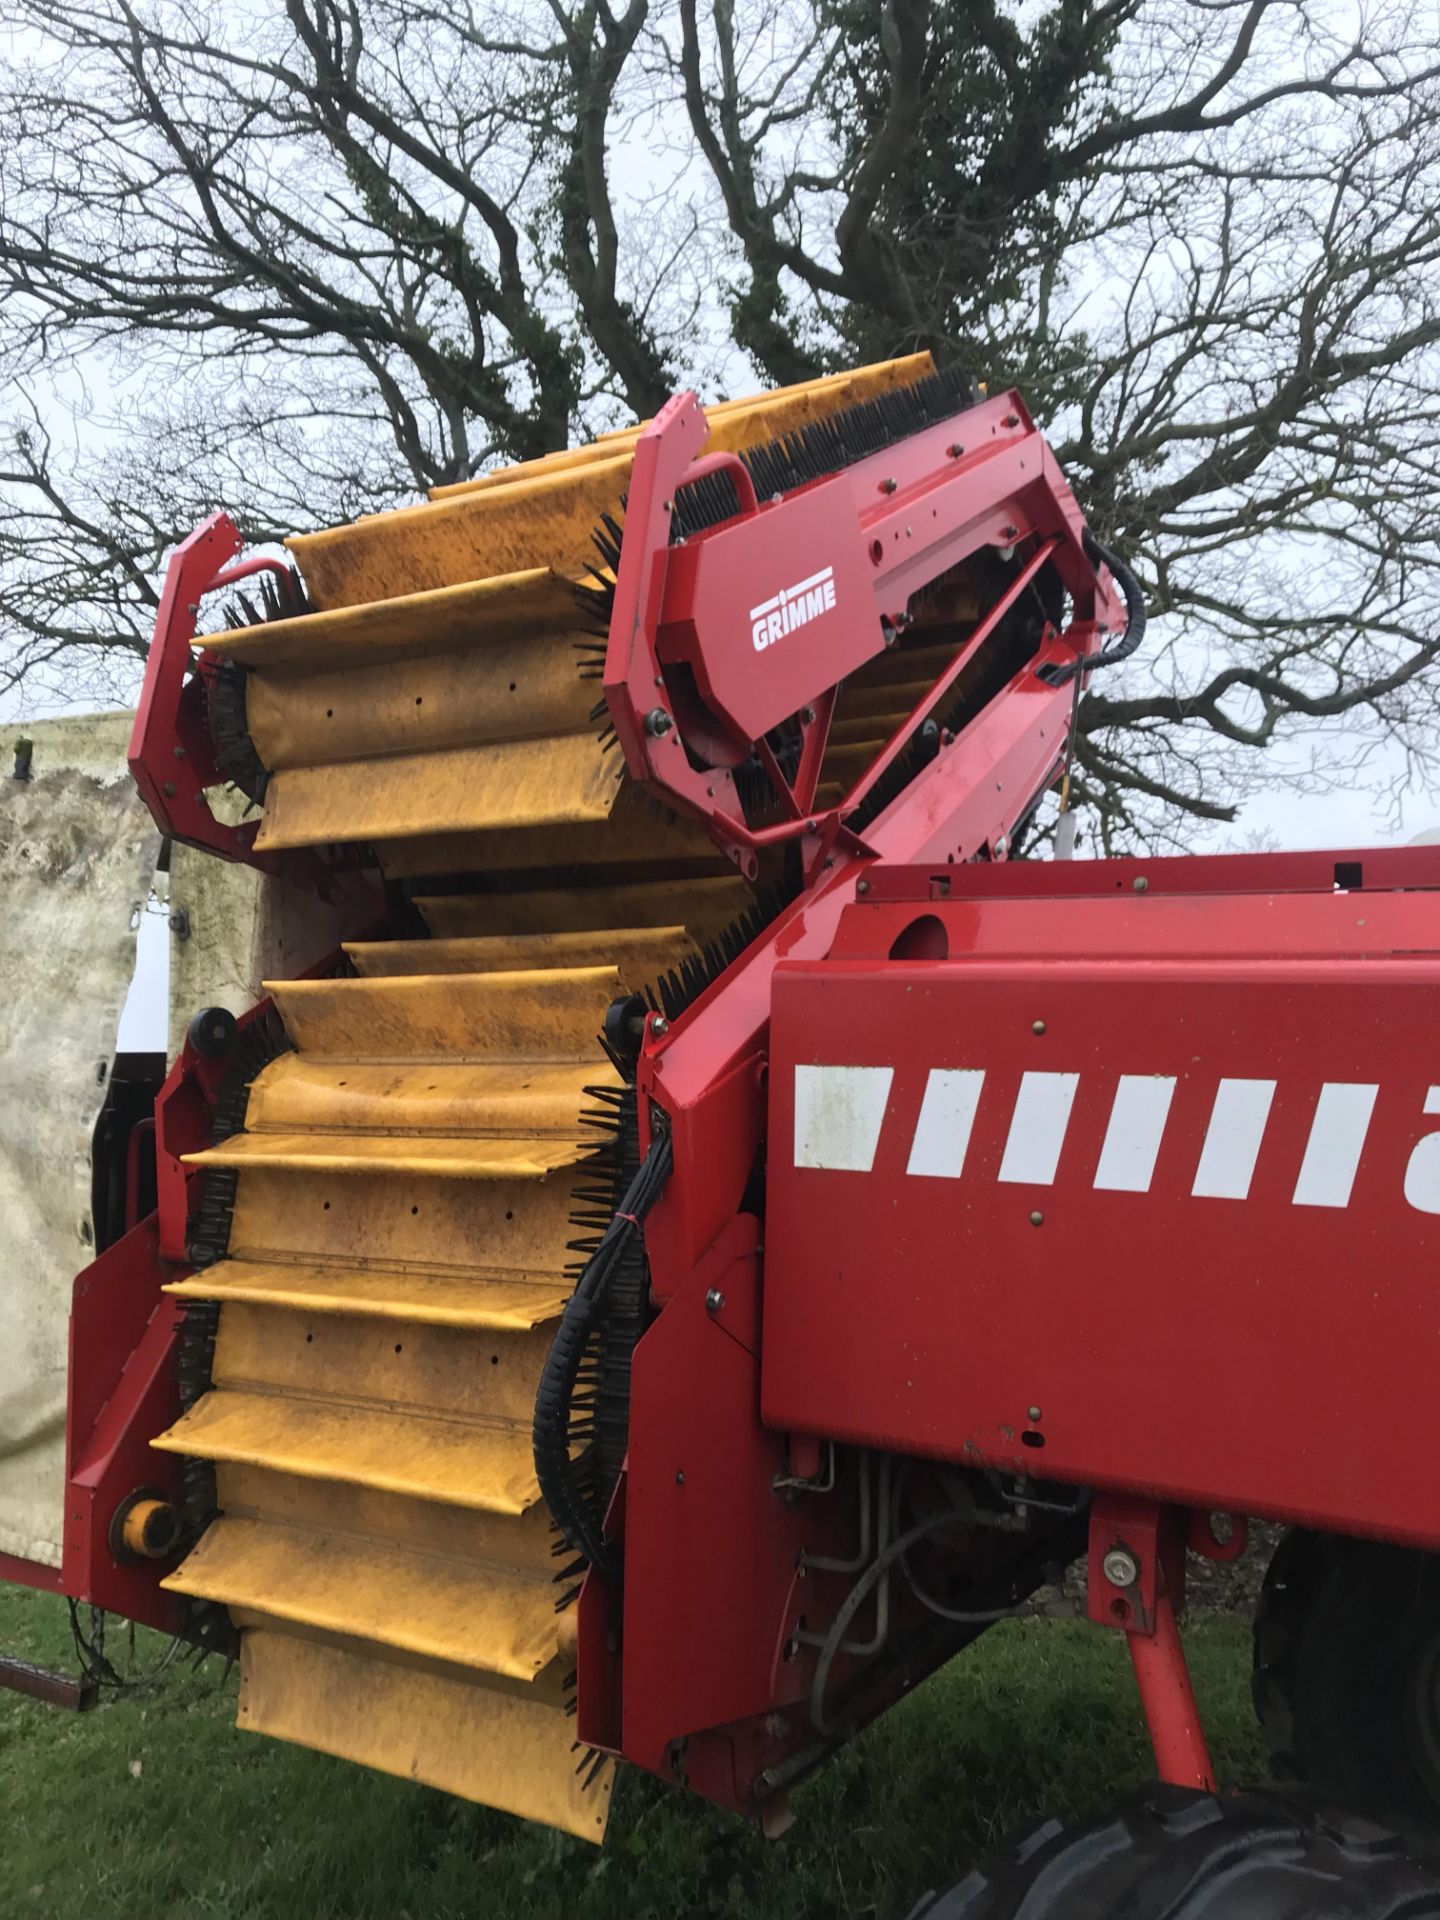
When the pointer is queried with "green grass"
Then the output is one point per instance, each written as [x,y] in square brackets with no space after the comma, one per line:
[157,1808]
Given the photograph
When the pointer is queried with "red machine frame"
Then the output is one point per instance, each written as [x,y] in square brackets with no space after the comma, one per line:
[726,1534]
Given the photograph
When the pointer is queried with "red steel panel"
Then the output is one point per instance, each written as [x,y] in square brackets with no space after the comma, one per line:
[123,1391]
[1325,870]
[172,757]
[19,1572]
[770,609]
[711,1548]
[1087,1252]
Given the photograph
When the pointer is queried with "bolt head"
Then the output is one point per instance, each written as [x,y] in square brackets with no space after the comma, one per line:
[1120,1568]
[714,1300]
[1037,1219]
[1037,1026]
[1033,1414]
[659,1026]
[658,723]
[1140,884]
[862,886]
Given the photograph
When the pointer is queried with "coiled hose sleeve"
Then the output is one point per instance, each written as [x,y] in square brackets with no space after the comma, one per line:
[1135,616]
[560,1482]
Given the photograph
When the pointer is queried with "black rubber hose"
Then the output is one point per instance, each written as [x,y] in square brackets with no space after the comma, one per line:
[1135,616]
[556,1471]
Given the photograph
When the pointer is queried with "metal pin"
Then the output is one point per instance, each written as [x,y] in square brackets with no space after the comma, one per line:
[1120,1568]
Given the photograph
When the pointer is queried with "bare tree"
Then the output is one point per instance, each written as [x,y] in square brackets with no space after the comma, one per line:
[303,259]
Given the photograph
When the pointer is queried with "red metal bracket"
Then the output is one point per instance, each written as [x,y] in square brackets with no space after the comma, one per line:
[172,758]
[1136,1583]
[122,1392]
[876,532]
[18,1572]
[184,1108]
[1202,1538]
[56,1689]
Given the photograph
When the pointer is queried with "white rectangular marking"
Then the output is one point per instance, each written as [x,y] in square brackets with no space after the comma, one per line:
[1232,1140]
[1132,1139]
[1337,1139]
[1037,1128]
[947,1115]
[838,1115]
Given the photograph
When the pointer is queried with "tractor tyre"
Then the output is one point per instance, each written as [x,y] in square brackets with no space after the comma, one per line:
[1171,1853]
[1346,1676]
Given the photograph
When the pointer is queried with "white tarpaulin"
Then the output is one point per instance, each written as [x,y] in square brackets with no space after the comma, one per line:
[77,854]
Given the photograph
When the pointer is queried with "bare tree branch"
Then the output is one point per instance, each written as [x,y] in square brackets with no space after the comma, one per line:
[304,263]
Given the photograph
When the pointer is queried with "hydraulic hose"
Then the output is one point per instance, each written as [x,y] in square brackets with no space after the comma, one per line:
[560,1483]
[1135,616]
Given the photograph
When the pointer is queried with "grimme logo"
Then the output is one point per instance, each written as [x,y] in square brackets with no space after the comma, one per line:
[792,607]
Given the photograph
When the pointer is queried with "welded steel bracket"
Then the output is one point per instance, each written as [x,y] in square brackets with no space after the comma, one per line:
[1136,1585]
[76,1691]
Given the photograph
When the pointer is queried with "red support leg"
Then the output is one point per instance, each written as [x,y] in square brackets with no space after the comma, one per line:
[1136,1577]
[1181,1756]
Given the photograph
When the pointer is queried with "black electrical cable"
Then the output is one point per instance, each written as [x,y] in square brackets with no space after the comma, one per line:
[560,1483]
[1136,617]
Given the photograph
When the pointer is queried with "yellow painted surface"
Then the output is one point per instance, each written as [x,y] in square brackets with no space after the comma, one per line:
[847,763]
[549,783]
[543,514]
[490,1016]
[876,726]
[398,1251]
[701,905]
[517,1099]
[410,626]
[385,1154]
[135,1530]
[357,1361]
[515,1227]
[862,702]
[401,1238]
[470,1740]
[542,520]
[734,424]
[523,1541]
[511,690]
[444,1297]
[442,1460]
[639,953]
[498,1619]
[639,836]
